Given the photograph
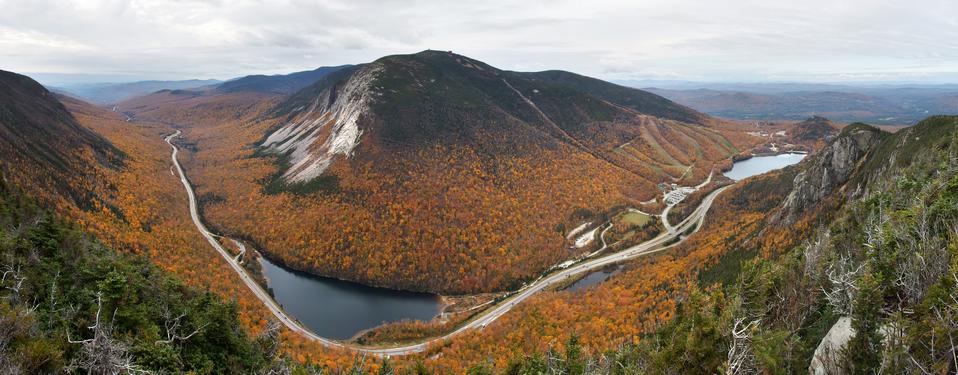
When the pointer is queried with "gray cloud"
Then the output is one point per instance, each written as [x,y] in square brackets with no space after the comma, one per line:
[675,39]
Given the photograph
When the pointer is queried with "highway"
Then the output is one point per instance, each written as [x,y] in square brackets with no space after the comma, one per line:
[662,242]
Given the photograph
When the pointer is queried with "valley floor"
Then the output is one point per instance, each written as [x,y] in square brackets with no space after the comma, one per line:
[674,236]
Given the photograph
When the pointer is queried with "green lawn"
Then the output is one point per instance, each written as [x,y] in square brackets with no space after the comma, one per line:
[635,218]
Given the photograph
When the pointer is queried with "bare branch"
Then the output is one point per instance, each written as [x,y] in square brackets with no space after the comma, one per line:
[172,330]
[101,354]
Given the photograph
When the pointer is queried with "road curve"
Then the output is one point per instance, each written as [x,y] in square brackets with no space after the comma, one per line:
[661,242]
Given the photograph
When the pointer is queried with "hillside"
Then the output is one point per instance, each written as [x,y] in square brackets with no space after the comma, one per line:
[350,168]
[196,105]
[42,145]
[371,174]
[68,302]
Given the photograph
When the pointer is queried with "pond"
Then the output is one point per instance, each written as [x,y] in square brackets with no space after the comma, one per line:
[761,164]
[339,309]
[594,278]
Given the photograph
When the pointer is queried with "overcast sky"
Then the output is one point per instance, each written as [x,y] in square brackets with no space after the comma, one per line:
[745,40]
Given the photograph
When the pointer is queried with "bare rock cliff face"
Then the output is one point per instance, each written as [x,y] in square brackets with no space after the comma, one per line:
[328,128]
[827,171]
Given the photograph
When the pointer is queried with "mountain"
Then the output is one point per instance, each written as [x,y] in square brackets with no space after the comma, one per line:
[111,93]
[42,144]
[284,84]
[35,124]
[415,99]
[842,106]
[879,105]
[352,166]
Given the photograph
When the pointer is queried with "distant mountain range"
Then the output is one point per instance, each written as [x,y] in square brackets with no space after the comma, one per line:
[111,93]
[883,104]
[878,104]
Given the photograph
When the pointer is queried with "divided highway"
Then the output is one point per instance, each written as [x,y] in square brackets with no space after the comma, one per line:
[662,242]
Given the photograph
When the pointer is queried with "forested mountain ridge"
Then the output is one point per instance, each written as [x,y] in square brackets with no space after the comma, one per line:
[42,146]
[37,126]
[284,84]
[352,166]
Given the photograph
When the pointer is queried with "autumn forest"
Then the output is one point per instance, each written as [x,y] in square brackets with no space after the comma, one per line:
[562,224]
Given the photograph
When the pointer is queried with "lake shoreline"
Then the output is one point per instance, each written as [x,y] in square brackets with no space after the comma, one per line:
[758,164]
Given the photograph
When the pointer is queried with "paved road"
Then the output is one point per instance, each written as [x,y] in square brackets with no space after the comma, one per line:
[662,242]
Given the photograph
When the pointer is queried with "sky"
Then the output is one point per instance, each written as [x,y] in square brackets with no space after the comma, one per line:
[718,41]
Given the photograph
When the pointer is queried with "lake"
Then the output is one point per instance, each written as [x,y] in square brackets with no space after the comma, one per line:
[339,309]
[761,164]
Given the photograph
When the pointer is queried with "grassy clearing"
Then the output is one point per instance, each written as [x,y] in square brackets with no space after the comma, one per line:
[635,218]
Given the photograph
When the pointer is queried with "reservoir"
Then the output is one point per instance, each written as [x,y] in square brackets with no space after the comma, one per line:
[339,309]
[761,164]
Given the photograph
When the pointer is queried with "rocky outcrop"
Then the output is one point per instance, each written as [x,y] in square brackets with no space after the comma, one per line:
[828,355]
[827,171]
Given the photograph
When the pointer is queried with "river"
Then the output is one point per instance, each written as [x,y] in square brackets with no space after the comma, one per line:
[339,309]
[761,164]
